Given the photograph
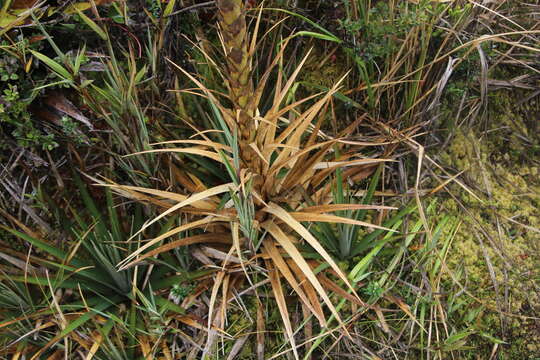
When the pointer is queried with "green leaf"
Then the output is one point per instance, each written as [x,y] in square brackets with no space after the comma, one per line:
[317,36]
[140,74]
[7,19]
[169,8]
[116,14]
[492,338]
[81,320]
[230,168]
[56,67]
[56,283]
[163,283]
[81,6]
[208,165]
[169,305]
[222,124]
[367,240]
[78,59]
[113,217]
[90,205]
[56,83]
[102,34]
[457,341]
[52,250]
[363,264]
[312,23]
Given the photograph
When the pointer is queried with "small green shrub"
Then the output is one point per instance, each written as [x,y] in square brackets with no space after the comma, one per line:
[16,95]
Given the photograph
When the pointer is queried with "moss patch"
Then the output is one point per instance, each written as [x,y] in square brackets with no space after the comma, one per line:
[497,248]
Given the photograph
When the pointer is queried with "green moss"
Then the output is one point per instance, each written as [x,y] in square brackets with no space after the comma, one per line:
[323,74]
[499,169]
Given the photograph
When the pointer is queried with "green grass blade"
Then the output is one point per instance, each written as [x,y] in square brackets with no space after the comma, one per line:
[56,67]
[92,25]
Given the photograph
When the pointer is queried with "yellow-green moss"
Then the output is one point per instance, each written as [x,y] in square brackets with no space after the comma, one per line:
[324,74]
[497,155]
